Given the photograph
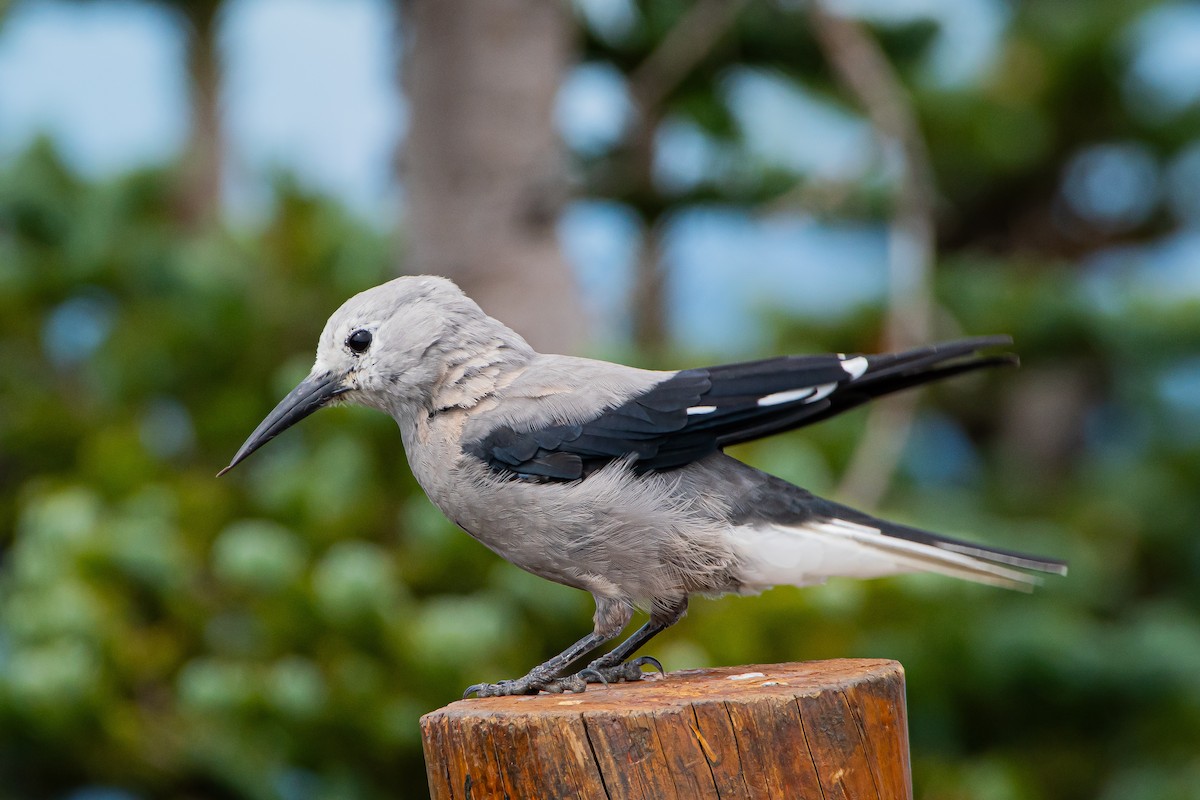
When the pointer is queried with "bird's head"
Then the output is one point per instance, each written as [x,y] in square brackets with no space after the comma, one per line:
[384,348]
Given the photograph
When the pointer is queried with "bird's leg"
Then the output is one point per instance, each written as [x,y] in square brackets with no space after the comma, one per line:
[612,615]
[541,676]
[614,666]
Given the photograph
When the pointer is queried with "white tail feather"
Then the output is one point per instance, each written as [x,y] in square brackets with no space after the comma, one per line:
[810,553]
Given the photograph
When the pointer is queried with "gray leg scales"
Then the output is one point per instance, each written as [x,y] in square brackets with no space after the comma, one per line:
[543,677]
[613,667]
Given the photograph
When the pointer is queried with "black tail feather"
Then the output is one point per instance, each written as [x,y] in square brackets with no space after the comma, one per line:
[994,555]
[821,507]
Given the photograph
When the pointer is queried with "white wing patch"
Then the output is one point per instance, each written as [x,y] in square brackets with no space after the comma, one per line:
[855,367]
[823,391]
[812,552]
[701,410]
[786,397]
[809,394]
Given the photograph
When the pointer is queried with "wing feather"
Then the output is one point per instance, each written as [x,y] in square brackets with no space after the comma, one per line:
[728,404]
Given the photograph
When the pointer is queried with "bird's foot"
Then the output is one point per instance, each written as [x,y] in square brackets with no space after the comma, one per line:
[542,678]
[598,672]
[516,686]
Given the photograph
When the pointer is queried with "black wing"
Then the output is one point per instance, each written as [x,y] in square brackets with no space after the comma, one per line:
[697,412]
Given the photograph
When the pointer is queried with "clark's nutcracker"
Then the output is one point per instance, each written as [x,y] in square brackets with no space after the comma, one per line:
[612,479]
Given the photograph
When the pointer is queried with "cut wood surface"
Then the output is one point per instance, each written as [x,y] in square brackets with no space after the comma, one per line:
[820,729]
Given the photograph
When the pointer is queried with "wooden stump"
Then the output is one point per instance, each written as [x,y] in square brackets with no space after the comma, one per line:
[822,729]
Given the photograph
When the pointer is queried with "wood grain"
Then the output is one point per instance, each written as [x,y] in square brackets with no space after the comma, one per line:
[819,730]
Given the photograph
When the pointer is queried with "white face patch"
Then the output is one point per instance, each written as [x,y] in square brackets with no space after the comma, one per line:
[785,397]
[855,367]
[701,410]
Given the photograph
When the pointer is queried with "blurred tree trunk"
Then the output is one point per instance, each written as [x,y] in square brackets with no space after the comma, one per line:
[200,189]
[688,42]
[483,169]
[649,301]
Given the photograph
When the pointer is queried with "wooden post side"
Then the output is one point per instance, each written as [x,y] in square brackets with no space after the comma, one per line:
[814,730]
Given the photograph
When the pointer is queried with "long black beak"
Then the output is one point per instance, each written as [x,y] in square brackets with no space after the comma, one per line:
[312,393]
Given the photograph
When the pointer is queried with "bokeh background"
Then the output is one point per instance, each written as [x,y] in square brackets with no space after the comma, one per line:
[187,190]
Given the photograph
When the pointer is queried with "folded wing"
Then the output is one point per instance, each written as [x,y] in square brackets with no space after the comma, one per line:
[696,412]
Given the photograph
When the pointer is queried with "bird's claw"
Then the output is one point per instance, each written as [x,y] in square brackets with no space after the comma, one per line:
[591,675]
[642,661]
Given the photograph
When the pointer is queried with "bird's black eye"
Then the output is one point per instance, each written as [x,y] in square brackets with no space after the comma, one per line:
[359,341]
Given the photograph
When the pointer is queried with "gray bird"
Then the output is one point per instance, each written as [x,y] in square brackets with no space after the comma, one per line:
[613,479]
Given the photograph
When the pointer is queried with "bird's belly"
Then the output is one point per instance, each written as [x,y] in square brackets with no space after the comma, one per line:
[515,526]
[609,534]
